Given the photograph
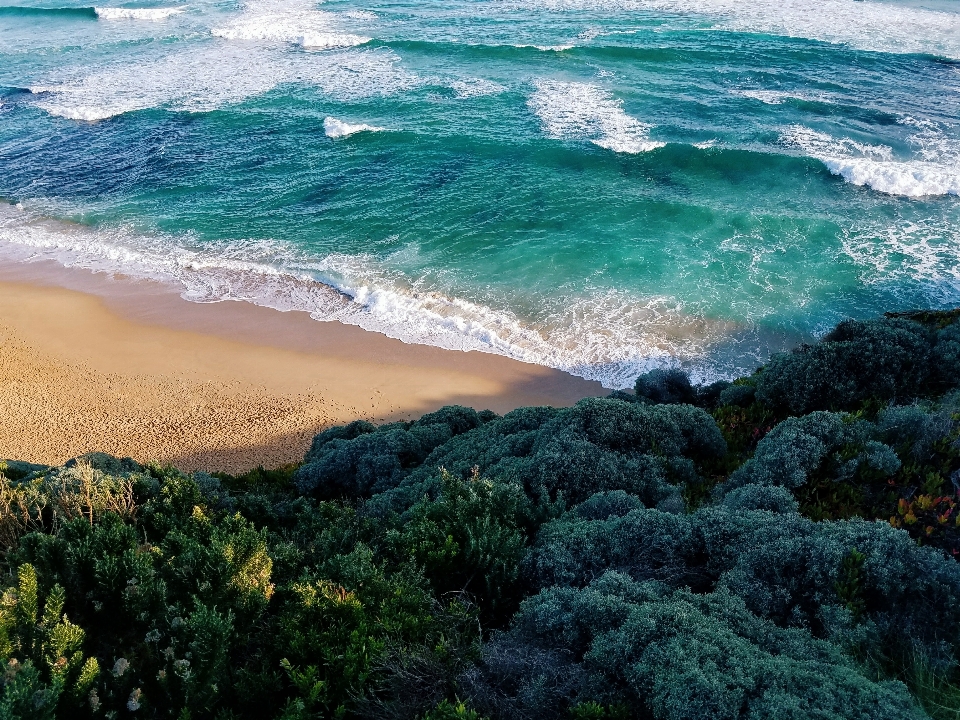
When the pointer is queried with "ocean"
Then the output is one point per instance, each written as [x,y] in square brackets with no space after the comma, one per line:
[600,186]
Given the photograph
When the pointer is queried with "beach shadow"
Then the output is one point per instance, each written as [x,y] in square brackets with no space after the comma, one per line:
[291,447]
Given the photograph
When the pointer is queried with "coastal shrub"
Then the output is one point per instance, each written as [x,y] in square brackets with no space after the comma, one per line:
[760,497]
[50,497]
[160,605]
[710,396]
[359,460]
[319,446]
[446,710]
[665,385]
[333,626]
[784,566]
[672,386]
[905,468]
[739,395]
[669,654]
[515,679]
[885,359]
[46,674]
[649,451]
[643,544]
[603,506]
[630,556]
[832,444]
[915,430]
[468,540]
[179,605]
[946,357]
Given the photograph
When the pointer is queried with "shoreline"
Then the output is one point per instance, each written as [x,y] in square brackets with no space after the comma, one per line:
[91,362]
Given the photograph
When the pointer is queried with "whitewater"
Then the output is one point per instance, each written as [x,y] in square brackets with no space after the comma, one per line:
[600,186]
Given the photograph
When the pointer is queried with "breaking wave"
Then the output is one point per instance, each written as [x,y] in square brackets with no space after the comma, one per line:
[574,110]
[866,25]
[154,14]
[297,23]
[334,128]
[216,75]
[935,172]
[610,337]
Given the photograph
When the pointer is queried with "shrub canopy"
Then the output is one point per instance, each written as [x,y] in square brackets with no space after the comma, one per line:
[782,546]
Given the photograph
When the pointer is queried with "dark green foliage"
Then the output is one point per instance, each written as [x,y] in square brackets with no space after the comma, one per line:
[642,543]
[788,554]
[760,497]
[650,451]
[360,460]
[850,585]
[591,710]
[46,673]
[739,395]
[469,540]
[831,444]
[670,654]
[786,568]
[665,386]
[887,359]
[447,710]
[330,633]
[15,470]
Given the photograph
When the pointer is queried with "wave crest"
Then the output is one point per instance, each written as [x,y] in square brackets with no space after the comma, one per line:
[154,14]
[873,166]
[334,128]
[574,110]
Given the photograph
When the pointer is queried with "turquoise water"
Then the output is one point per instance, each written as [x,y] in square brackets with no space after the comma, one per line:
[596,185]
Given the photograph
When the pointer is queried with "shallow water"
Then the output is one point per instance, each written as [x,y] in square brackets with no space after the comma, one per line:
[596,185]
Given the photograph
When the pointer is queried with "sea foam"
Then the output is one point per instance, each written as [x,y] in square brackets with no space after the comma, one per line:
[212,75]
[919,252]
[875,26]
[475,87]
[574,110]
[607,336]
[334,128]
[936,172]
[326,41]
[288,21]
[778,97]
[155,14]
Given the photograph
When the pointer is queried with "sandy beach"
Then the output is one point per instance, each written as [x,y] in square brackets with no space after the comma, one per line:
[95,363]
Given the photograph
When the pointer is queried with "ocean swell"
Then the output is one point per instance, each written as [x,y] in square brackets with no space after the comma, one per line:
[85,13]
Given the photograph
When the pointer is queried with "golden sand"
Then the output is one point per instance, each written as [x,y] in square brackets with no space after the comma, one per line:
[131,369]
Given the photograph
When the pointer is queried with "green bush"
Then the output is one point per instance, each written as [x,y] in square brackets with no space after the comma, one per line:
[631,556]
[677,655]
[469,540]
[837,446]
[886,359]
[360,460]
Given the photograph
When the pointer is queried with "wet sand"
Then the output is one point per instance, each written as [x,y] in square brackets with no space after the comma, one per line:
[90,362]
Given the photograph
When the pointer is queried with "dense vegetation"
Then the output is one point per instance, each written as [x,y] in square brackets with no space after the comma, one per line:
[783,546]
